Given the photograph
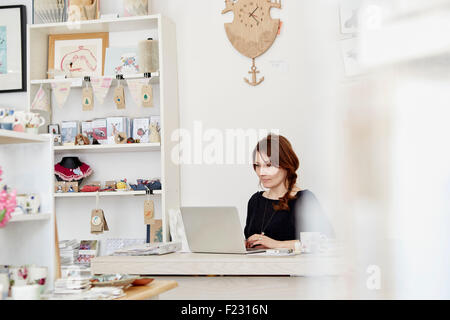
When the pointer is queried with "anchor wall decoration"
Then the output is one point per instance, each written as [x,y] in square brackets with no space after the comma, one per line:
[252,31]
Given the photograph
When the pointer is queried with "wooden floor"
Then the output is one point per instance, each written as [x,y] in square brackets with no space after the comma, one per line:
[258,288]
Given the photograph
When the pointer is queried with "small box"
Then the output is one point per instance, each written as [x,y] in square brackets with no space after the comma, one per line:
[110,184]
[60,186]
[71,186]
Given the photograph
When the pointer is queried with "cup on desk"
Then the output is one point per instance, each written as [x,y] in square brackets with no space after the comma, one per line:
[312,242]
[4,286]
[38,275]
[27,292]
[18,276]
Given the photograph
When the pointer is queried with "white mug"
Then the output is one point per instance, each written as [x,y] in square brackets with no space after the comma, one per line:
[38,275]
[18,276]
[33,204]
[27,292]
[4,286]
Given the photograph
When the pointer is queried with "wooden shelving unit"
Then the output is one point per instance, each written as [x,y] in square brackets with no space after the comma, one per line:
[104,194]
[12,137]
[110,148]
[31,217]
[26,161]
[114,162]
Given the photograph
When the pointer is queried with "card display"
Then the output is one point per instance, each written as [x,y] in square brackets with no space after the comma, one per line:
[69,130]
[99,129]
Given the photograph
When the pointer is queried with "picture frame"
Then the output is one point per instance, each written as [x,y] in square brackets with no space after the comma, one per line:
[62,47]
[13,48]
[54,129]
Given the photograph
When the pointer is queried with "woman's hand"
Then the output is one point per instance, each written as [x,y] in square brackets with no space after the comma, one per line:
[263,242]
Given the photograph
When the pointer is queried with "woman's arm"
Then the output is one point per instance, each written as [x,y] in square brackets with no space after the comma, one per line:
[269,243]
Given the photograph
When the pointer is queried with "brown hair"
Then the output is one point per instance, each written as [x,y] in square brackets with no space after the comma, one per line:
[282,155]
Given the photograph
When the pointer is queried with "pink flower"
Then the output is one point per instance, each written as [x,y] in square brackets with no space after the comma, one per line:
[7,204]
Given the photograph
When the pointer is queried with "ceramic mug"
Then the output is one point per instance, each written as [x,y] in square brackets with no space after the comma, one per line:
[21,203]
[33,204]
[38,275]
[18,276]
[4,285]
[26,292]
[7,119]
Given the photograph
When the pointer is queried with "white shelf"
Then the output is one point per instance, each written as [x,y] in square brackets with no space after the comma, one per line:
[101,25]
[110,148]
[104,194]
[78,82]
[12,137]
[31,217]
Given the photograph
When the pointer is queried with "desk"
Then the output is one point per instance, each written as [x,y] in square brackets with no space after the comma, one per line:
[236,276]
[150,291]
[220,264]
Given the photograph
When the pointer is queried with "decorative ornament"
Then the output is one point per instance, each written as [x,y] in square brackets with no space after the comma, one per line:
[87,100]
[120,138]
[81,140]
[135,86]
[147,96]
[101,87]
[61,91]
[41,101]
[253,31]
[119,96]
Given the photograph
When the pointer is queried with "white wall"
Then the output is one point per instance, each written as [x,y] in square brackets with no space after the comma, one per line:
[299,99]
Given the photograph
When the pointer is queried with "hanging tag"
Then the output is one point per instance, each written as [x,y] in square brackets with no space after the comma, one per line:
[97,221]
[119,97]
[147,96]
[149,212]
[88,99]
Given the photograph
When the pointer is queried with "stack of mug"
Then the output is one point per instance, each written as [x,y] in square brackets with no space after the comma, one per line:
[22,283]
[20,121]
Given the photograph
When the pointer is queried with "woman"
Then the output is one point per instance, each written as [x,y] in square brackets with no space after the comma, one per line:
[276,217]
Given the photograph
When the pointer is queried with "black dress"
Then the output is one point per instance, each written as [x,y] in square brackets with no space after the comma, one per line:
[305,215]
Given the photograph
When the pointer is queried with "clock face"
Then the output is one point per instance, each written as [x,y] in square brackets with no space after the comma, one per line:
[250,15]
[253,30]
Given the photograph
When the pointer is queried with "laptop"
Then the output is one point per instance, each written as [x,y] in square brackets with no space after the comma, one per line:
[214,230]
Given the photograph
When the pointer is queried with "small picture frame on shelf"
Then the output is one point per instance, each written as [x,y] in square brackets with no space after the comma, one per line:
[77,55]
[60,186]
[57,140]
[71,187]
[54,129]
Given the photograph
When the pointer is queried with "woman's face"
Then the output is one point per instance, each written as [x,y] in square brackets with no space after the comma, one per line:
[269,175]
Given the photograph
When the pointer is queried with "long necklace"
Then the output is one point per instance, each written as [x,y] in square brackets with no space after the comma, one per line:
[264,219]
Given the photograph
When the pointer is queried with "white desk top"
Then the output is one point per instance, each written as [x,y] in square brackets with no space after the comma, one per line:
[220,264]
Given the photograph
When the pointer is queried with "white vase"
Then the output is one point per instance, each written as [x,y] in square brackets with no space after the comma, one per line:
[135,7]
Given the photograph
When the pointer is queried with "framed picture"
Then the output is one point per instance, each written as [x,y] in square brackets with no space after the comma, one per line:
[53,129]
[13,56]
[77,55]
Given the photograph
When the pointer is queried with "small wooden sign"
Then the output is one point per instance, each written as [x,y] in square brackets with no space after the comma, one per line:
[98,222]
[119,97]
[88,99]
[147,96]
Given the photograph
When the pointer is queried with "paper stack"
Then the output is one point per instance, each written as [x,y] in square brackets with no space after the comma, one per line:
[72,285]
[68,250]
[147,249]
